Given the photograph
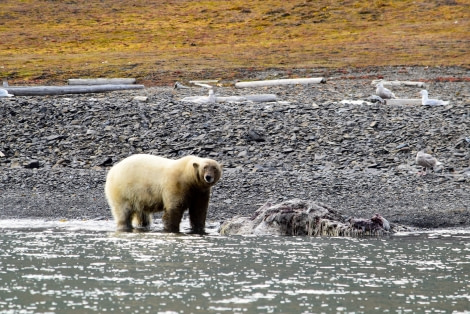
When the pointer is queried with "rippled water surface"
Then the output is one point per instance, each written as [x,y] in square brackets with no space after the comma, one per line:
[86,267]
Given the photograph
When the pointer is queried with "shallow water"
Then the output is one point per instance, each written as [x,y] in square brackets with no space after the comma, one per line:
[78,266]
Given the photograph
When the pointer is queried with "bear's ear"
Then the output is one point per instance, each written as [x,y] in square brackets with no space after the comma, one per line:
[195,165]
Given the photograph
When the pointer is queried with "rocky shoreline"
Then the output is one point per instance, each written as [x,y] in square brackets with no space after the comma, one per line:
[311,144]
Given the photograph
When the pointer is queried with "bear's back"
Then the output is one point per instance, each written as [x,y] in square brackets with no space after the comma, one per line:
[142,162]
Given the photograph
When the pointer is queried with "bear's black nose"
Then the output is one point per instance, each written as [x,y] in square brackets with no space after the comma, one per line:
[208,179]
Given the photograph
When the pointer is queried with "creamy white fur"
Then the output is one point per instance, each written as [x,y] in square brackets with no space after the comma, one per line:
[143,184]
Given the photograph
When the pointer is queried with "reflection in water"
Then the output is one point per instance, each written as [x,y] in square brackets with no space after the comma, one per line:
[57,270]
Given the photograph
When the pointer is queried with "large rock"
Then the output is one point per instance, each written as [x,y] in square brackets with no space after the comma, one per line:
[300,217]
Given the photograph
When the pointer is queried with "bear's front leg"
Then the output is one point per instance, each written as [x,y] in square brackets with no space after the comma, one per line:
[171,219]
[198,212]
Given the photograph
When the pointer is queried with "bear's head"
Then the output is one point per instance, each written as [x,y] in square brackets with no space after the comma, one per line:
[209,171]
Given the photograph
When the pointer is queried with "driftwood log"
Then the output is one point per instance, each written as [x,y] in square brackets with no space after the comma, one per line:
[253,98]
[204,83]
[403,101]
[304,81]
[399,83]
[102,81]
[217,99]
[62,90]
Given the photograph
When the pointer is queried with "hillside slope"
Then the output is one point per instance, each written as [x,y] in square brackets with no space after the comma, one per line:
[158,41]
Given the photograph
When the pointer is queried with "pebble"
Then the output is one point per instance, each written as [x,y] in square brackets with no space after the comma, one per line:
[309,132]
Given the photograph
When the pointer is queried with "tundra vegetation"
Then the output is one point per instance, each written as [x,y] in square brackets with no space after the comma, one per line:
[160,41]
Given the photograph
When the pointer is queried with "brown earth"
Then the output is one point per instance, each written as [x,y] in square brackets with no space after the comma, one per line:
[158,42]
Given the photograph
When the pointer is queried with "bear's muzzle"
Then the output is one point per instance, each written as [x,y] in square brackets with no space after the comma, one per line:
[209,178]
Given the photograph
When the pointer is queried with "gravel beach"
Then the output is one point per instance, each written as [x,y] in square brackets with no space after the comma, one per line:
[322,142]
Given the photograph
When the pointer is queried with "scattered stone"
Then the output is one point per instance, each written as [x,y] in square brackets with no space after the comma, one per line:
[141,98]
[375,99]
[33,164]
[254,135]
[55,137]
[242,154]
[306,145]
[108,161]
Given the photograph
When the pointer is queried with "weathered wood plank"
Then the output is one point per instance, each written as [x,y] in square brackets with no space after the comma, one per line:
[217,99]
[403,101]
[61,90]
[253,98]
[399,83]
[102,81]
[313,80]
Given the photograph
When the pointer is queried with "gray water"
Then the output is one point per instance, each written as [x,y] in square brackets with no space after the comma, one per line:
[85,267]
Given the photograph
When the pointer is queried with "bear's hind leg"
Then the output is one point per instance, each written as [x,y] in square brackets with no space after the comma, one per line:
[124,222]
[142,220]
[123,217]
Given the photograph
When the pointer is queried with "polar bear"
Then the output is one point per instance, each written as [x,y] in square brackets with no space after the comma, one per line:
[143,184]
